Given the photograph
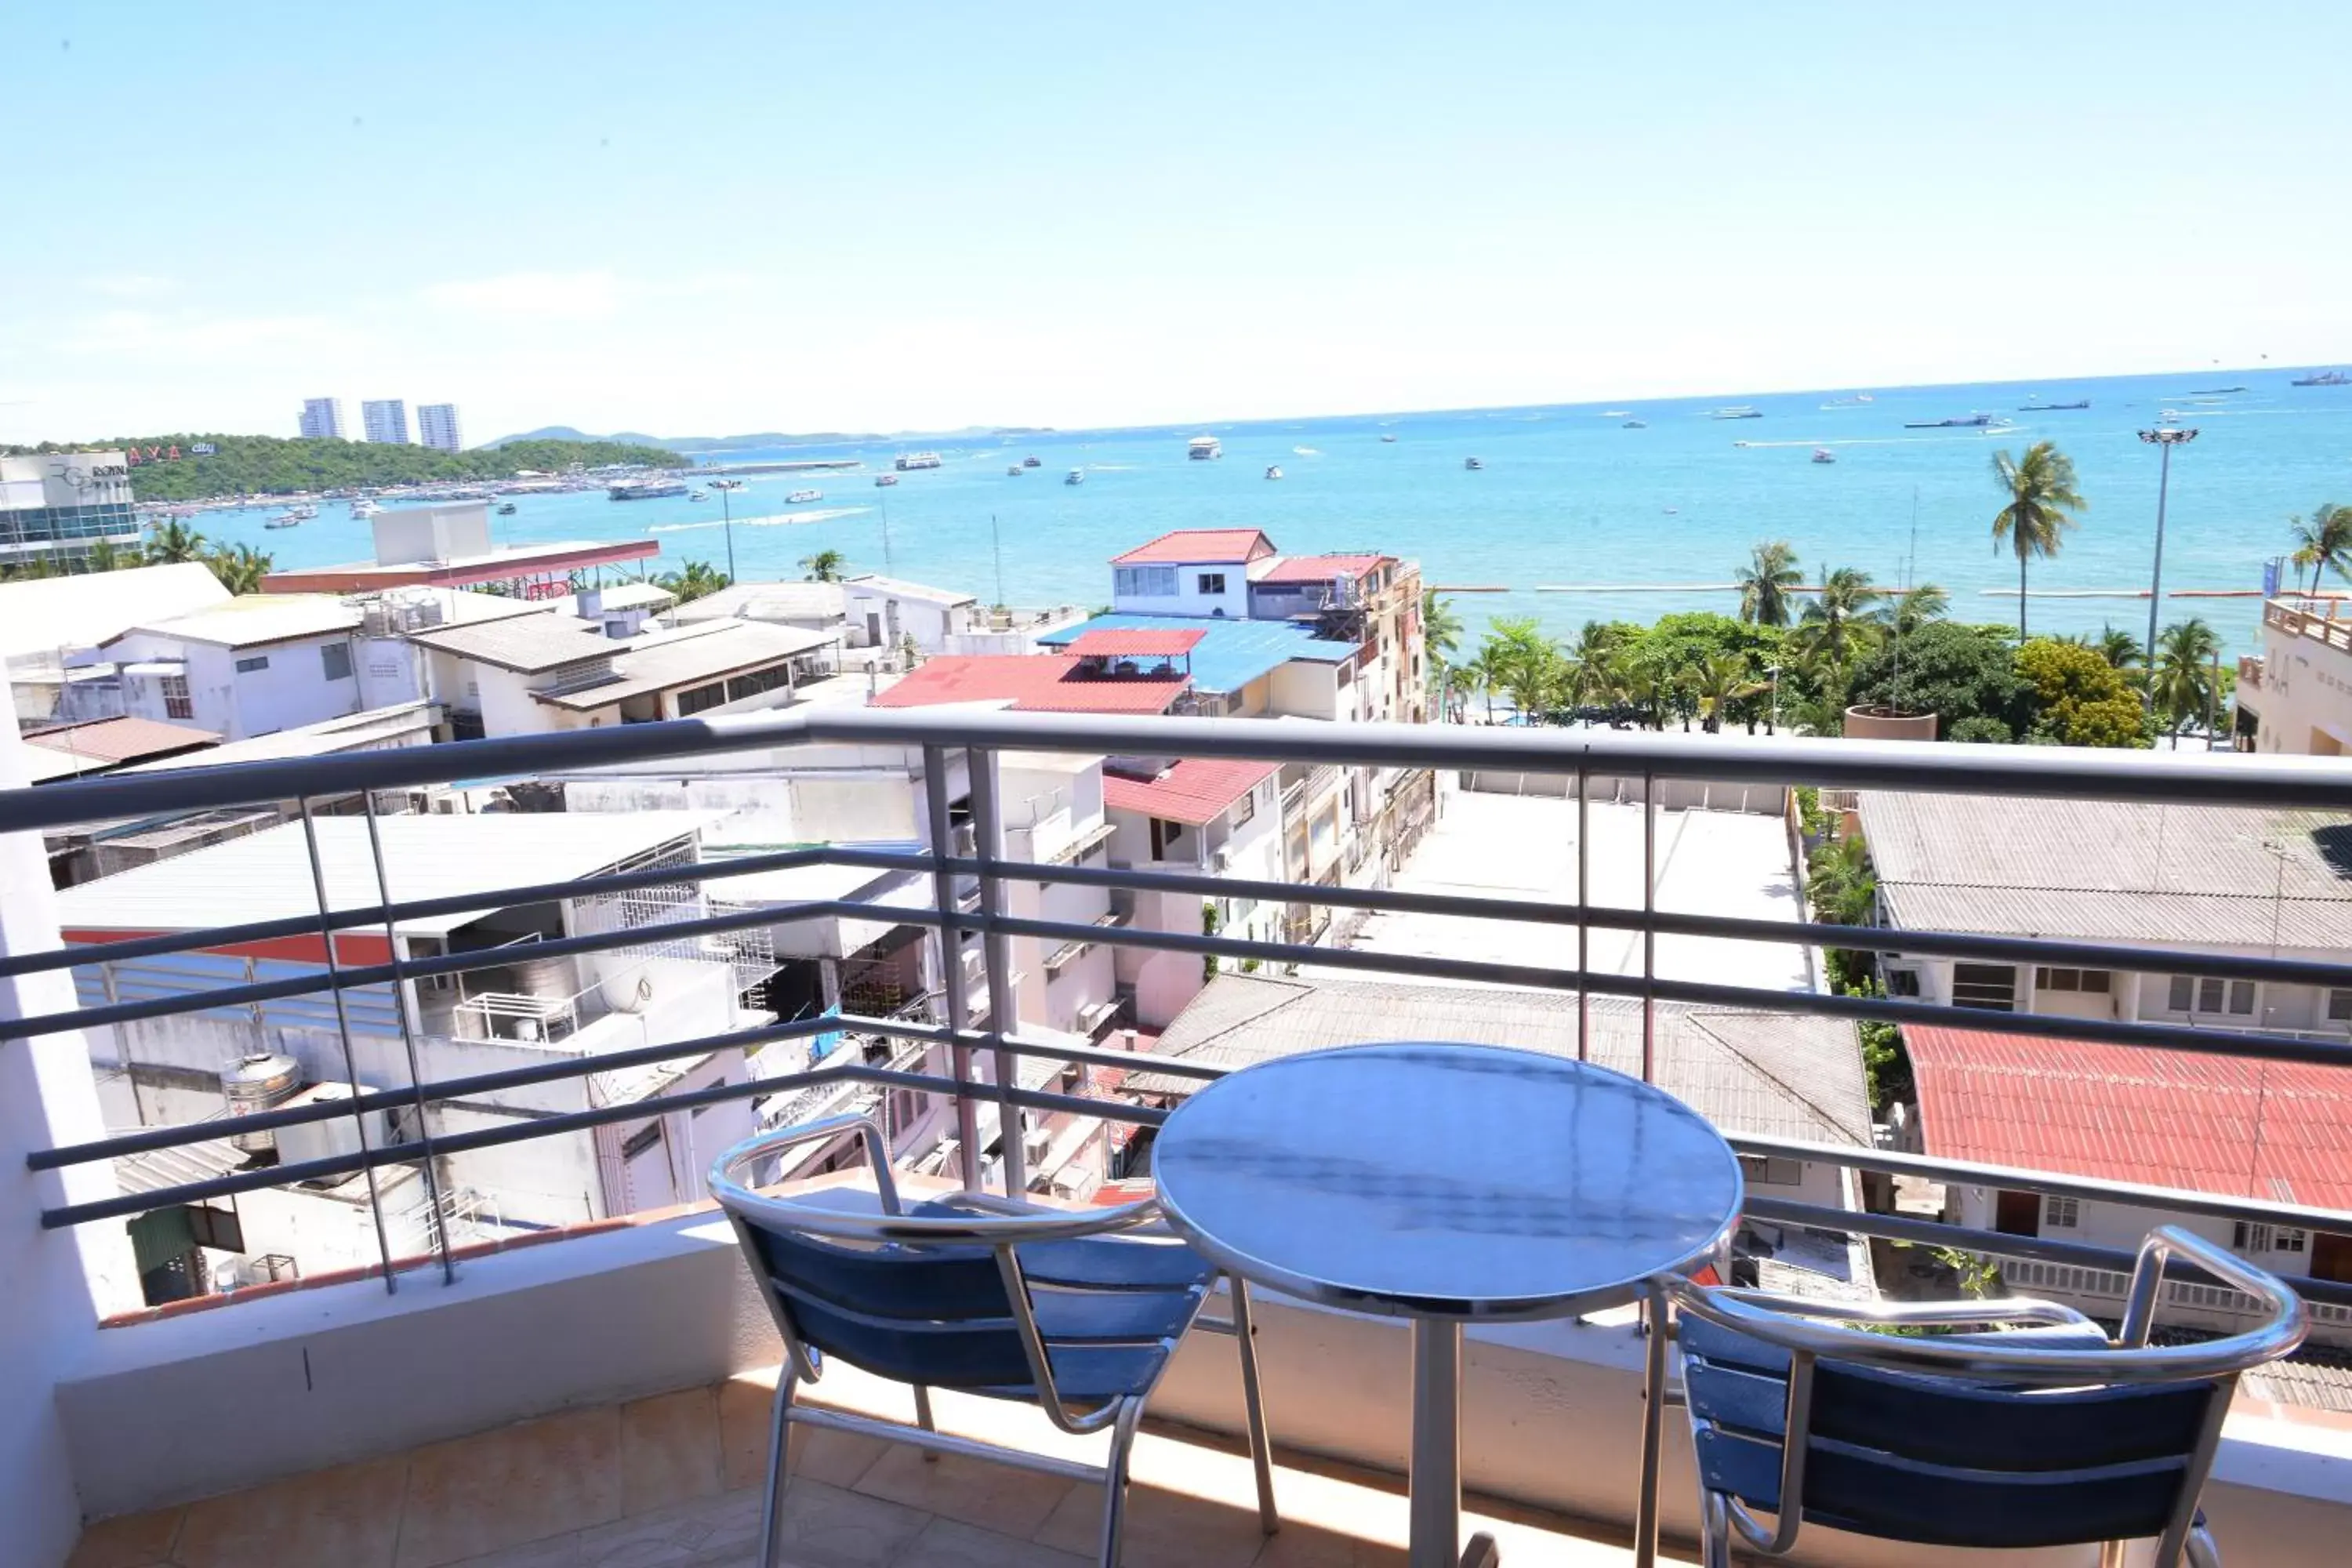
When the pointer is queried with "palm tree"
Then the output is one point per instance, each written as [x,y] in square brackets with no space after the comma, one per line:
[2042,504]
[175,542]
[1839,615]
[2323,543]
[697,579]
[239,567]
[1765,584]
[104,557]
[2118,648]
[1722,680]
[824,566]
[1906,610]
[1441,628]
[1488,671]
[2182,687]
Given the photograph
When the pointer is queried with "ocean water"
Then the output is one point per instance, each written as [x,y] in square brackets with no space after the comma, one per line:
[1566,499]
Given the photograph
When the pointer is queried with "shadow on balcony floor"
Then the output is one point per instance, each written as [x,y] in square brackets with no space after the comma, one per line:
[672,1480]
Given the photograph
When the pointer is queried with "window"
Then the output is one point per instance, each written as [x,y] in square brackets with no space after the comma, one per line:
[1145,581]
[1212,581]
[2249,1237]
[1902,982]
[259,661]
[2097,982]
[2062,1213]
[1991,986]
[1770,1171]
[752,685]
[2339,1006]
[2212,997]
[1245,808]
[643,1139]
[175,697]
[711,696]
[336,656]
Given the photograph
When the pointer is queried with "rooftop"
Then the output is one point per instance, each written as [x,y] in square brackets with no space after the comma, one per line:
[526,644]
[251,620]
[370,730]
[1777,1075]
[2241,1128]
[498,565]
[1193,790]
[1231,653]
[1319,568]
[46,615]
[104,743]
[2108,870]
[766,602]
[704,651]
[898,587]
[626,597]
[1125,642]
[267,876]
[1204,544]
[1032,683]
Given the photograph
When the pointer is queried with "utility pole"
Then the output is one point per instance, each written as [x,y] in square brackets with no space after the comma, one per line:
[2166,437]
[887,569]
[728,512]
[996,542]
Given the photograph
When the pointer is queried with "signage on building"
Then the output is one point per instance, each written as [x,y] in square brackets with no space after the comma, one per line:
[155,455]
[2271,578]
[202,449]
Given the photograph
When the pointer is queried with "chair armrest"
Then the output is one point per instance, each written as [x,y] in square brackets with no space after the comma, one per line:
[724,1170]
[1925,1314]
[2289,1317]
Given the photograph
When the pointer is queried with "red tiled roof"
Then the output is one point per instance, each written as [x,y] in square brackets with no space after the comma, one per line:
[121,740]
[1204,544]
[1125,642]
[1034,683]
[1194,791]
[2233,1126]
[1318,568]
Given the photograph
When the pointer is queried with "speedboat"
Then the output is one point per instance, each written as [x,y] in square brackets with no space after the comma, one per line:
[284,519]
[1074,477]
[1736,411]
[726,484]
[1274,470]
[883,481]
[1014,472]
[1635,424]
[1824,455]
[698,494]
[1031,463]
[505,509]
[1387,438]
[1202,448]
[1474,462]
[363,507]
[797,497]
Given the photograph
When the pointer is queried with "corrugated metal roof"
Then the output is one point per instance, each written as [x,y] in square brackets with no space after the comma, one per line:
[2280,1132]
[250,620]
[1194,790]
[526,644]
[1033,683]
[1232,653]
[899,588]
[2106,870]
[104,741]
[1206,545]
[704,651]
[267,876]
[766,602]
[1318,568]
[1115,642]
[84,609]
[1774,1074]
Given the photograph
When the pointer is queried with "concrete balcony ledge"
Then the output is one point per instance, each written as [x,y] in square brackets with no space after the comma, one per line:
[294,1382]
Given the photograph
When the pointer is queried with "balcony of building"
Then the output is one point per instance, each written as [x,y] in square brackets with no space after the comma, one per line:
[590,1391]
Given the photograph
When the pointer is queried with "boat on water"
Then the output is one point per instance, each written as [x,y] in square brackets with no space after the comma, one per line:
[1274,470]
[505,509]
[909,461]
[363,507]
[1635,424]
[1824,455]
[1387,438]
[2215,391]
[1474,462]
[797,497]
[1616,413]
[1959,422]
[697,494]
[1074,477]
[2052,407]
[1201,449]
[883,481]
[1032,463]
[1015,472]
[284,519]
[645,489]
[2324,378]
[1738,411]
[1859,400]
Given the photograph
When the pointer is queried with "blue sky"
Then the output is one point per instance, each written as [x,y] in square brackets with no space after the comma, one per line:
[704,218]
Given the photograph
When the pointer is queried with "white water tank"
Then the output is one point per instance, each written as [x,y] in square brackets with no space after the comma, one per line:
[262,1082]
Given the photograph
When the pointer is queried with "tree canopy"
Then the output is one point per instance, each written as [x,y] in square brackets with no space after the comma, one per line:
[269,465]
[1951,670]
[2080,699]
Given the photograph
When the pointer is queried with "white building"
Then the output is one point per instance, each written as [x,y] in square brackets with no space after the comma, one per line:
[43,620]
[255,664]
[887,613]
[55,506]
[2297,697]
[1192,572]
[1201,816]
[322,419]
[385,421]
[523,1012]
[436,426]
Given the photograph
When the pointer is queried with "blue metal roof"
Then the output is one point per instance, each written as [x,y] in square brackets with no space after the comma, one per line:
[1234,654]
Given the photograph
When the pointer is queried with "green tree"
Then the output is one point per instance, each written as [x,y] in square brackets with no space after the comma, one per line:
[2080,699]
[1837,620]
[2038,490]
[269,465]
[105,556]
[824,566]
[175,542]
[2182,687]
[1906,610]
[1981,728]
[696,580]
[1488,672]
[1951,670]
[1527,665]
[1766,582]
[239,567]
[2322,541]
[2117,646]
[1441,629]
[1722,681]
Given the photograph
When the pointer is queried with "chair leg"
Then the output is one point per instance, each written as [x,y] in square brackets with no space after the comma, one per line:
[2202,1551]
[1253,1403]
[1714,1533]
[779,1431]
[1122,1437]
[1656,1321]
[923,1420]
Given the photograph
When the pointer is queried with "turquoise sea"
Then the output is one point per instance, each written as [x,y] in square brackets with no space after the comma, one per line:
[1566,496]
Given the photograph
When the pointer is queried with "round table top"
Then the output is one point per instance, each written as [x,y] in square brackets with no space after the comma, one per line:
[1424,1179]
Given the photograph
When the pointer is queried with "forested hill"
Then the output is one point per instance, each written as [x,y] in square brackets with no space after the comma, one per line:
[269,465]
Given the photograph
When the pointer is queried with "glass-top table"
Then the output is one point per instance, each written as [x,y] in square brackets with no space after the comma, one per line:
[1447,1183]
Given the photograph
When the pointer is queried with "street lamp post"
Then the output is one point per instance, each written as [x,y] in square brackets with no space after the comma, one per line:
[2165,436]
[727,513]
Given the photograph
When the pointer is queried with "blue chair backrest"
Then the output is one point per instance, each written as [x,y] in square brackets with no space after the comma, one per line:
[925,1315]
[1945,1460]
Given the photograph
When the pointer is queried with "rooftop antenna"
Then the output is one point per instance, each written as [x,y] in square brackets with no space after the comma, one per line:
[1909,562]
[996,542]
[887,570]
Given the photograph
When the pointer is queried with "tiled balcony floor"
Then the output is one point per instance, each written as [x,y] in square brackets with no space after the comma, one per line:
[672,1480]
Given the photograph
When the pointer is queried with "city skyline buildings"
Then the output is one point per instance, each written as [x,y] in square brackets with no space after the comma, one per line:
[322,419]
[436,426]
[385,421]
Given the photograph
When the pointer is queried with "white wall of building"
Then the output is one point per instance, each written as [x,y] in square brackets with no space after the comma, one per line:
[876,616]
[2304,697]
[290,687]
[1180,590]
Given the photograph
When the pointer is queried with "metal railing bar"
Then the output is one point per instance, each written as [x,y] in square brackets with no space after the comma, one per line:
[1934,1233]
[996,961]
[951,949]
[403,999]
[2153,777]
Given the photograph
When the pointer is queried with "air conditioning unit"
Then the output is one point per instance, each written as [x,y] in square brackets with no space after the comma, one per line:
[1218,859]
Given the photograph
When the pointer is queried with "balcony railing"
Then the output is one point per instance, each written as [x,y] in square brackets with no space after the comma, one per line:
[983,1061]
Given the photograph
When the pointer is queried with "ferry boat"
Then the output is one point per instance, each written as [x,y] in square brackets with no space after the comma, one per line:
[1203,447]
[1859,400]
[1274,470]
[645,489]
[1635,424]
[882,481]
[798,497]
[2209,392]
[1473,463]
[1738,411]
[285,520]
[2052,407]
[1032,463]
[1074,477]
[909,461]
[1970,422]
[1824,455]
[2324,378]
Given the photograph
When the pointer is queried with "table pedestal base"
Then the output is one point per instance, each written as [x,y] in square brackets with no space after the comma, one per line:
[1436,1472]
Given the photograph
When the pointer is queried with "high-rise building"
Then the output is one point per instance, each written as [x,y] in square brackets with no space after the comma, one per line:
[322,419]
[55,506]
[386,420]
[436,425]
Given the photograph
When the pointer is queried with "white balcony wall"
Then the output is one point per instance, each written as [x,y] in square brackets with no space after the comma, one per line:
[1300,689]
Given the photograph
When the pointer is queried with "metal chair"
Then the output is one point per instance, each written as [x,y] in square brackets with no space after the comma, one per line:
[1075,1312]
[2051,1436]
